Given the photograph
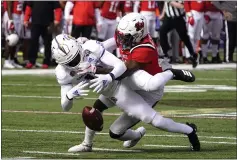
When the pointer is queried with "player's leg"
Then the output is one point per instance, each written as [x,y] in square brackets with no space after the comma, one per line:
[134,105]
[103,30]
[215,37]
[204,40]
[141,80]
[101,104]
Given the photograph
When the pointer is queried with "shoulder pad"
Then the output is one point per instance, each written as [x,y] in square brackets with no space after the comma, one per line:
[95,47]
[63,75]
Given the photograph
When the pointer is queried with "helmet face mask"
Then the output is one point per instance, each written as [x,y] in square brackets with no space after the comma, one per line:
[67,51]
[131,29]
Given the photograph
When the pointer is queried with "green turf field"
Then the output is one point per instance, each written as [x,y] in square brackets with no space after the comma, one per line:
[33,124]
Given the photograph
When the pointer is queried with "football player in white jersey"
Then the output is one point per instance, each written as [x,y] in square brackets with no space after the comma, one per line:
[77,62]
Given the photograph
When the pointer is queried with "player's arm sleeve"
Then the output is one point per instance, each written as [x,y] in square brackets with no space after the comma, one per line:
[118,66]
[110,44]
[28,12]
[66,103]
[68,8]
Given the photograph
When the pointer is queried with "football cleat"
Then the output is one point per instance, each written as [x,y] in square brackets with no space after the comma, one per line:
[132,143]
[83,147]
[8,64]
[183,75]
[193,138]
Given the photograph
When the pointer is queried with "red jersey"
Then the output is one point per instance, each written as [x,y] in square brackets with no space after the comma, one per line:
[148,6]
[17,7]
[194,5]
[128,6]
[109,9]
[145,52]
[84,12]
[210,7]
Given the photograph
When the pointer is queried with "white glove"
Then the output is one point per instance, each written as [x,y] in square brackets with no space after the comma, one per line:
[78,90]
[101,82]
[82,40]
[86,67]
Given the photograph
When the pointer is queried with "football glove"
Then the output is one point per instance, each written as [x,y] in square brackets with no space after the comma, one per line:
[191,20]
[101,82]
[207,19]
[86,67]
[78,90]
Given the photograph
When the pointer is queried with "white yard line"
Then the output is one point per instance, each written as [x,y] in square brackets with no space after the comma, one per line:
[47,72]
[219,116]
[46,97]
[164,146]
[101,133]
[51,153]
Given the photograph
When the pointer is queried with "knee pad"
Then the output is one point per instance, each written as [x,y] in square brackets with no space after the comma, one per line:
[115,136]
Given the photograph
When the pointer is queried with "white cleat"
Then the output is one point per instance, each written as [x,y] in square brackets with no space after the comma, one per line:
[16,65]
[8,64]
[83,147]
[132,143]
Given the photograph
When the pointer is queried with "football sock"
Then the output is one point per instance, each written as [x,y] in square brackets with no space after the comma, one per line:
[214,48]
[89,136]
[130,135]
[204,50]
[170,125]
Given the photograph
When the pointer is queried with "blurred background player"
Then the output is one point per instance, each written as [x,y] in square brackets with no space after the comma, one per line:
[212,29]
[107,23]
[195,19]
[148,10]
[46,17]
[83,17]
[13,30]
[173,18]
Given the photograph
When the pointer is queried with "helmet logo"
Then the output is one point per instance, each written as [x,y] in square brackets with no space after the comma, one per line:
[139,26]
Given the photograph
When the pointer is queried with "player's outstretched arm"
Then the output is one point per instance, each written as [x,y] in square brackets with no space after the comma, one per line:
[66,103]
[110,44]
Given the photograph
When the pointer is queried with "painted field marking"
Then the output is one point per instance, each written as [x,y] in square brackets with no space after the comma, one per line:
[218,142]
[46,97]
[101,133]
[114,150]
[51,153]
[164,146]
[211,116]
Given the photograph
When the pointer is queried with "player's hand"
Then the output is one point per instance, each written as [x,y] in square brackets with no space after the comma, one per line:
[191,20]
[82,40]
[86,67]
[10,25]
[100,82]
[207,19]
[78,90]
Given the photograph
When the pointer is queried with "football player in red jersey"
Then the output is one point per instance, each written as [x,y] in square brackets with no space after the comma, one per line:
[132,38]
[107,23]
[212,29]
[195,17]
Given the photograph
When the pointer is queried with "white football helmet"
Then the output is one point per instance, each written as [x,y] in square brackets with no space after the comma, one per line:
[67,51]
[12,39]
[130,30]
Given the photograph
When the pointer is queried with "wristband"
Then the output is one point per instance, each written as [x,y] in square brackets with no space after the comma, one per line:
[112,76]
[69,98]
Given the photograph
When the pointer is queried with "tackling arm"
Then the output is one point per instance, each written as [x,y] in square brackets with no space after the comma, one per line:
[66,103]
[110,44]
